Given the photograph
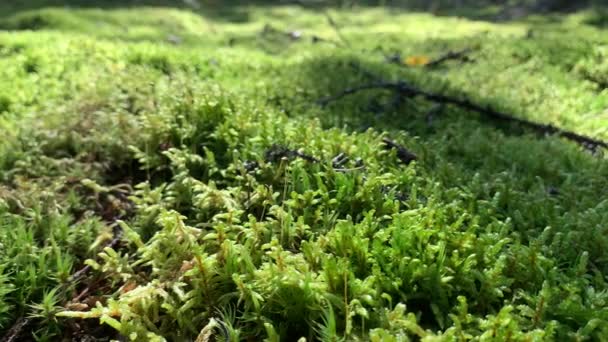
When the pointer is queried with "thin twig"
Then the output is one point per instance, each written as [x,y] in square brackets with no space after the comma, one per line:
[587,142]
[82,293]
[461,54]
[330,20]
[277,152]
[407,90]
[13,334]
[336,28]
[349,91]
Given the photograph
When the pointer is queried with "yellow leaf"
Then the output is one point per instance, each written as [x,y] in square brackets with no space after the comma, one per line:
[416,60]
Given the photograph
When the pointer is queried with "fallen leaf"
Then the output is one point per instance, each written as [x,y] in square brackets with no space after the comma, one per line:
[416,60]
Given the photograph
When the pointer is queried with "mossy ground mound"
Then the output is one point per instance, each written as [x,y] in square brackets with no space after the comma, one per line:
[168,174]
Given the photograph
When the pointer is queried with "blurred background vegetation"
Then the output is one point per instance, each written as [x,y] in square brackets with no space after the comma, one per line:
[439,6]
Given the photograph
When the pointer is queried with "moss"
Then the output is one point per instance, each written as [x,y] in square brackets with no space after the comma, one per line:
[164,124]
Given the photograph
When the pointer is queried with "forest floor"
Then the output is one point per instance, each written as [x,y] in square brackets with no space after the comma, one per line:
[282,173]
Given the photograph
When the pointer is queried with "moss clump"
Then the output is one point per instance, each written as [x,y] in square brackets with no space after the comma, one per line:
[168,175]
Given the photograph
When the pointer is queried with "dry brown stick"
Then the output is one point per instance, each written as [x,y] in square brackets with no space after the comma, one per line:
[407,90]
[82,294]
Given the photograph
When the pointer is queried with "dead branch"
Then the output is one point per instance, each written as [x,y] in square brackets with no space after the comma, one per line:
[407,90]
